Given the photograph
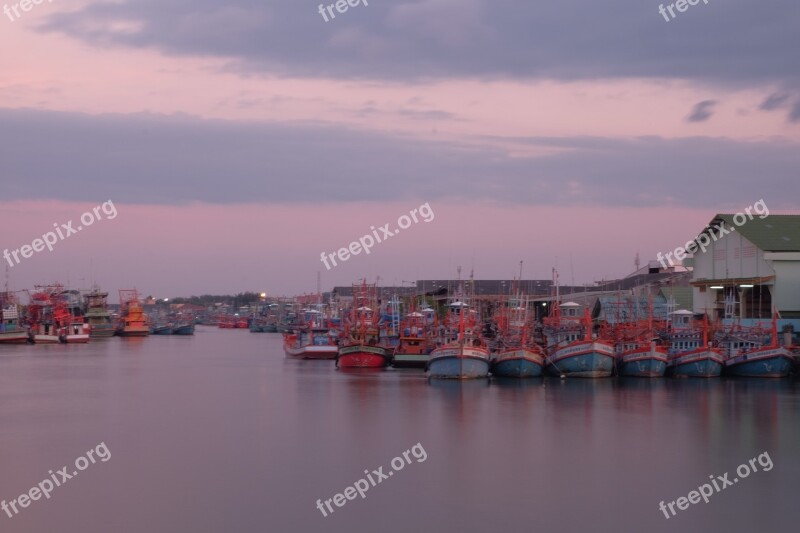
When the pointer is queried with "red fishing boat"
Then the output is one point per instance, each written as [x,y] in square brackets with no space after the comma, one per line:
[43,325]
[361,347]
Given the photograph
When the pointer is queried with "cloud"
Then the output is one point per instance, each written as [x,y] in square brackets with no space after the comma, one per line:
[774,101]
[438,39]
[701,111]
[794,114]
[177,159]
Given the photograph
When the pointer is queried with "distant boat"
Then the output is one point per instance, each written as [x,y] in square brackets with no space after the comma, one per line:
[163,329]
[43,329]
[68,314]
[97,317]
[183,328]
[133,322]
[10,330]
[310,343]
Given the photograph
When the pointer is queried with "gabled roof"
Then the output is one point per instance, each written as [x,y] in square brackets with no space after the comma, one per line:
[774,233]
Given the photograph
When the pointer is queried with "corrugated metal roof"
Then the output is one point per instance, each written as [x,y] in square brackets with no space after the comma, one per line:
[774,233]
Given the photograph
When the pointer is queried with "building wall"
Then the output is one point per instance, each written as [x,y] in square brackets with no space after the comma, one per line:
[731,256]
[786,294]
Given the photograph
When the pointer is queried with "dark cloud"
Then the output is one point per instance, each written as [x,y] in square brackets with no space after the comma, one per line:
[161,159]
[794,114]
[737,41]
[702,111]
[774,101]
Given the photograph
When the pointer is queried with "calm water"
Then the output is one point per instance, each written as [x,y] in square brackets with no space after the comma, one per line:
[219,433]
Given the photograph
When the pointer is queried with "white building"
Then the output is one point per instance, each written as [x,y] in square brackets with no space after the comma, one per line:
[745,273]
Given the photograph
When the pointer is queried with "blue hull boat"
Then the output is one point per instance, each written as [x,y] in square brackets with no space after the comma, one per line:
[459,362]
[518,363]
[582,359]
[643,361]
[702,363]
[646,368]
[771,362]
[184,329]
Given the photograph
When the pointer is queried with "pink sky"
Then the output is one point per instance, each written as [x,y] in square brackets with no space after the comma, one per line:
[182,249]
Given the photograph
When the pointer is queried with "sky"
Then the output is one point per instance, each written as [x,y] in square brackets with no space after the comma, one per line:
[240,140]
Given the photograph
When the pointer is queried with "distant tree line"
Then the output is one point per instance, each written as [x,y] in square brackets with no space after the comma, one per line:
[207,300]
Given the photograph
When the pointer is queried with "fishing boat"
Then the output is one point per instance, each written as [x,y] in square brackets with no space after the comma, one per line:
[361,346]
[571,349]
[689,352]
[314,341]
[466,356]
[515,354]
[640,358]
[414,347]
[10,330]
[183,327]
[465,359]
[97,317]
[43,327]
[133,322]
[637,348]
[68,314]
[161,329]
[754,352]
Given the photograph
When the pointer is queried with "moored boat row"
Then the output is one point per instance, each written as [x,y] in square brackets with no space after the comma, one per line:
[569,344]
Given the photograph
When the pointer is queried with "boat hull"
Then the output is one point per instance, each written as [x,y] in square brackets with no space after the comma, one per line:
[518,363]
[410,360]
[311,352]
[761,363]
[362,356]
[41,338]
[459,362]
[643,363]
[101,331]
[143,331]
[696,364]
[187,329]
[582,359]
[14,337]
[162,330]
